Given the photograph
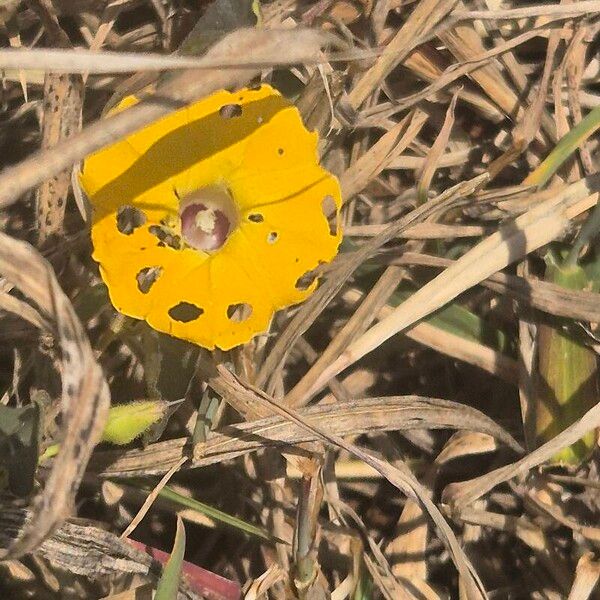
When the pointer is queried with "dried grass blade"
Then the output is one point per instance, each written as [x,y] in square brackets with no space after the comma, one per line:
[560,11]
[527,130]
[587,575]
[368,415]
[92,552]
[47,15]
[421,231]
[388,147]
[149,501]
[85,395]
[109,16]
[14,39]
[409,545]
[107,21]
[424,333]
[107,62]
[530,534]
[391,587]
[528,232]
[454,72]
[465,44]
[554,299]
[20,308]
[435,153]
[556,511]
[242,401]
[63,97]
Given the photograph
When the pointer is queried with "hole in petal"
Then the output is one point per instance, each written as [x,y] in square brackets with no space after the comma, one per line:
[305,281]
[256,218]
[239,312]
[280,151]
[329,209]
[184,312]
[129,219]
[229,111]
[147,277]
[165,237]
[272,237]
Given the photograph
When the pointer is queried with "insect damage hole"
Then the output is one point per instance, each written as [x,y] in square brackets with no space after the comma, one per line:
[165,237]
[229,111]
[329,208]
[147,277]
[272,237]
[184,312]
[306,280]
[256,218]
[129,219]
[240,312]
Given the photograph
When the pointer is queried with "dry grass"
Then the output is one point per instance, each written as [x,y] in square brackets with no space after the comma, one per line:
[379,442]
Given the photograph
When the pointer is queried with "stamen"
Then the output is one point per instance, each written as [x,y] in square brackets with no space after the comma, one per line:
[206,219]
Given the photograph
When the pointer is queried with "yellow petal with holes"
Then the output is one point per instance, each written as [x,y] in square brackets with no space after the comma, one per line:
[251,143]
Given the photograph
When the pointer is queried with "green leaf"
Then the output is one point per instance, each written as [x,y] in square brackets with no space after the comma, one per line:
[168,584]
[567,381]
[564,148]
[169,494]
[460,321]
[19,446]
[364,587]
[215,514]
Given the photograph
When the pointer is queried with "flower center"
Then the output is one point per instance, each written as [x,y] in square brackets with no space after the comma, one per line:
[208,216]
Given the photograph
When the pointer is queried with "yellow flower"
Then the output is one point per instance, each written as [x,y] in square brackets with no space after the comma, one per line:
[207,221]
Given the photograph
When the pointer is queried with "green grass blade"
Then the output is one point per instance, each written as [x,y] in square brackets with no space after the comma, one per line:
[169,494]
[460,321]
[566,385]
[168,584]
[565,147]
